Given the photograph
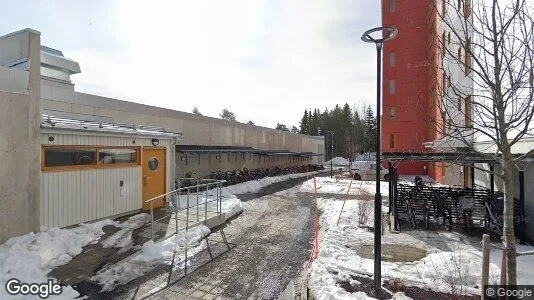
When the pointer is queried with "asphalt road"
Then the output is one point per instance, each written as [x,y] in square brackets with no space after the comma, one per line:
[273,238]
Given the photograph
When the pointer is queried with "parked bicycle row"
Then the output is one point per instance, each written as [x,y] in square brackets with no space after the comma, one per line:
[243,175]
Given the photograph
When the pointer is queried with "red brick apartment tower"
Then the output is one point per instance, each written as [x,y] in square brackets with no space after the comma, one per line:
[411,81]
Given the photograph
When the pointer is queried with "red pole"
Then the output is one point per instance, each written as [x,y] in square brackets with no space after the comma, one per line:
[316,222]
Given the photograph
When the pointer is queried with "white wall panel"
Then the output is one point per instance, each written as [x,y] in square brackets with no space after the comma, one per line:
[72,197]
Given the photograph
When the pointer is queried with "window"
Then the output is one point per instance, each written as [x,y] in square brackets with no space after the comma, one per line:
[460,104]
[392,113]
[443,169]
[459,4]
[392,5]
[449,126]
[460,53]
[58,157]
[391,141]
[443,7]
[392,86]
[467,62]
[448,38]
[468,112]
[449,80]
[65,157]
[467,8]
[444,82]
[117,156]
[392,59]
[443,48]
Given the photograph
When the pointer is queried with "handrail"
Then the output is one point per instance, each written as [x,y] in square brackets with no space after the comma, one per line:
[216,184]
[185,188]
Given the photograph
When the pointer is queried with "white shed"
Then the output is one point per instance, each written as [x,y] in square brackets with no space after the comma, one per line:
[91,170]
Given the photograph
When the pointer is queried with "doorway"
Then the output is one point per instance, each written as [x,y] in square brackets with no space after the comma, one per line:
[154,176]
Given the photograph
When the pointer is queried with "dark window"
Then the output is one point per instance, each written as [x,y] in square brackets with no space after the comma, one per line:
[69,157]
[117,156]
[468,112]
[392,113]
[449,38]
[153,164]
[392,87]
[391,141]
[392,59]
[467,8]
[392,5]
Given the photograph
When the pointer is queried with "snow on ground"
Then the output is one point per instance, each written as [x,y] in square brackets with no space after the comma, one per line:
[123,238]
[255,186]
[153,254]
[451,264]
[32,256]
[337,161]
[327,185]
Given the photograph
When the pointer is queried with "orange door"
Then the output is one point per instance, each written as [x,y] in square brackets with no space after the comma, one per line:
[154,173]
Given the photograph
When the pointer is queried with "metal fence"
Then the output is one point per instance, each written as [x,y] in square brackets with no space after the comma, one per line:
[193,201]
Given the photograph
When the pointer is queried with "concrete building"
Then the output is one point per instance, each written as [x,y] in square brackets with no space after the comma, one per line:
[71,157]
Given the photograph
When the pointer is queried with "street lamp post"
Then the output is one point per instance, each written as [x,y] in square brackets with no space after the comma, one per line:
[386,33]
[331,154]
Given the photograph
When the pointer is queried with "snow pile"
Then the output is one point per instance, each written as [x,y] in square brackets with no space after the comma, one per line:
[123,237]
[337,161]
[327,185]
[455,269]
[151,255]
[32,256]
[230,204]
[255,186]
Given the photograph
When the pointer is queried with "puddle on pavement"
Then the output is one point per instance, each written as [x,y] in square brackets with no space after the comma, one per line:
[393,253]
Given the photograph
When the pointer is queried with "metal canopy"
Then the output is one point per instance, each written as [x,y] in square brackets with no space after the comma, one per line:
[233,149]
[467,157]
[453,157]
[54,122]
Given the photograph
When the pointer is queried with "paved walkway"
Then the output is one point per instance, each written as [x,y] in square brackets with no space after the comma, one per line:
[246,231]
[273,239]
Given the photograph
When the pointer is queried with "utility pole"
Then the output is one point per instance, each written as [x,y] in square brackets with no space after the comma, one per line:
[332,154]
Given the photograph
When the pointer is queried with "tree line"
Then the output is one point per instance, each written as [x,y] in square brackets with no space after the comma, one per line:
[351,131]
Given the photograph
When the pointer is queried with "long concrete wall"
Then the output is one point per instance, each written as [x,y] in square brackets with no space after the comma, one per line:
[19,136]
[58,98]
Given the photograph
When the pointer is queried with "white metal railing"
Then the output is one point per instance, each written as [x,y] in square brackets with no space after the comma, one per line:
[188,198]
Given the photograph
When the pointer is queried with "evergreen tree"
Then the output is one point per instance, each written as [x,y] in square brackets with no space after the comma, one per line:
[282,127]
[370,130]
[196,111]
[227,115]
[250,123]
[304,125]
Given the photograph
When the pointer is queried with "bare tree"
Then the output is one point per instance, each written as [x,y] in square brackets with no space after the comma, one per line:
[196,111]
[485,86]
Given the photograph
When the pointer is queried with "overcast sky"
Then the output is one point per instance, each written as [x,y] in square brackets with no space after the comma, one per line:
[264,60]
